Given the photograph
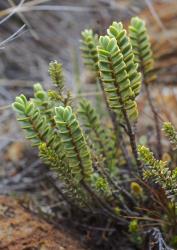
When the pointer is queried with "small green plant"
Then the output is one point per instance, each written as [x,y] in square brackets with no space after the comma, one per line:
[103,171]
[171,133]
[159,172]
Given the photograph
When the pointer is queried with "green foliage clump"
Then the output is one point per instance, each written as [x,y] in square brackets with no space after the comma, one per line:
[56,74]
[144,57]
[88,157]
[99,137]
[117,31]
[89,43]
[142,50]
[134,230]
[171,133]
[116,79]
[31,120]
[76,149]
[159,172]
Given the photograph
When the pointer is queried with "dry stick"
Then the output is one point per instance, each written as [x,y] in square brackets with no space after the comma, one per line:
[12,12]
[23,18]
[13,36]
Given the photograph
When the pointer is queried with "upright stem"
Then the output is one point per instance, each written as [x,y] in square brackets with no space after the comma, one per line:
[153,110]
[132,137]
[156,120]
[108,210]
[121,143]
[114,123]
[111,114]
[127,121]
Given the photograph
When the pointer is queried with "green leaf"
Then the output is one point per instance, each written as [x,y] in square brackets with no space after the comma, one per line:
[88,47]
[74,143]
[142,50]
[117,31]
[158,171]
[115,78]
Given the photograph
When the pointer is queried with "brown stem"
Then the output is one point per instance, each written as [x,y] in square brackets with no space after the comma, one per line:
[102,203]
[125,152]
[124,112]
[156,120]
[131,135]
[102,147]
[154,112]
[99,200]
[117,187]
[115,125]
[111,114]
[77,151]
[40,136]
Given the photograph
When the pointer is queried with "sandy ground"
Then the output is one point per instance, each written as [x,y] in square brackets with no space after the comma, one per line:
[21,230]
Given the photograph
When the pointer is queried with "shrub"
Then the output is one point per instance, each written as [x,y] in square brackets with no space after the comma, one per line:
[131,190]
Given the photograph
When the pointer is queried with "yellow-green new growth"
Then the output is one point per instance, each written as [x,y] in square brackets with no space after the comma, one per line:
[115,78]
[171,133]
[56,74]
[158,171]
[74,143]
[58,162]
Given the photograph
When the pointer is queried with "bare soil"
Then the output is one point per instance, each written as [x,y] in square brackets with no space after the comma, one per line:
[21,230]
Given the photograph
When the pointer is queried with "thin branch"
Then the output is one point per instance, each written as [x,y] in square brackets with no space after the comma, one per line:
[25,21]
[11,13]
[13,36]
[57,8]
[156,120]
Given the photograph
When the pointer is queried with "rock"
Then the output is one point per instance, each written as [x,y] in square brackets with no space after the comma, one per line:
[21,230]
